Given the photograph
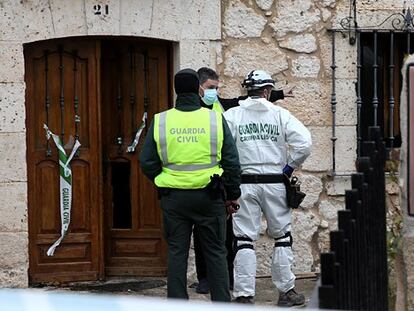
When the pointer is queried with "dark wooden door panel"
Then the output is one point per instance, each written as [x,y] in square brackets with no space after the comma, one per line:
[61,79]
[134,74]
[115,219]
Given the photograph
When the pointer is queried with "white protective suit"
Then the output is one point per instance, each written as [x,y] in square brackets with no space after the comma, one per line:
[267,137]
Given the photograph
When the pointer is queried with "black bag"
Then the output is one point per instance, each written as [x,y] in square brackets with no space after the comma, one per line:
[293,194]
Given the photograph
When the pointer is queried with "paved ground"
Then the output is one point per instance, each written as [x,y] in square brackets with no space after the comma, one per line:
[266,293]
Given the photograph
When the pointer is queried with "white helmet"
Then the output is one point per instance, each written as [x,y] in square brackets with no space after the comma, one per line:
[257,79]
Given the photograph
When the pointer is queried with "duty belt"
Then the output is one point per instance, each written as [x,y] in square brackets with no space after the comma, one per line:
[263,179]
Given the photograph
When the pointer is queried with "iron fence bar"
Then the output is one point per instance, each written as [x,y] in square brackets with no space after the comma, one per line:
[371,202]
[376,202]
[337,246]
[61,95]
[382,279]
[362,258]
[391,86]
[354,292]
[359,99]
[47,99]
[350,228]
[344,224]
[363,164]
[354,5]
[380,156]
[408,42]
[351,203]
[359,214]
[358,275]
[327,293]
[333,105]
[369,171]
[367,250]
[375,67]
[363,189]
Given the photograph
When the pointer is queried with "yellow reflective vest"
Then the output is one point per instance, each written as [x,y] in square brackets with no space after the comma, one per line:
[189,145]
[217,107]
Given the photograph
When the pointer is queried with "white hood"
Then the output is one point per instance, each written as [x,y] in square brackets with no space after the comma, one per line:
[259,104]
[267,136]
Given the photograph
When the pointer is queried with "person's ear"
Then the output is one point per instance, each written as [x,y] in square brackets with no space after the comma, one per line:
[266,93]
[201,91]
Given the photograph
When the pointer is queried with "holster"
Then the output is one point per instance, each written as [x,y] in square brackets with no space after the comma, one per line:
[293,194]
[163,192]
[216,187]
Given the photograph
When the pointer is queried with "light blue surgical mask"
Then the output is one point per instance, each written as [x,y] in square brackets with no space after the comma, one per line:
[210,96]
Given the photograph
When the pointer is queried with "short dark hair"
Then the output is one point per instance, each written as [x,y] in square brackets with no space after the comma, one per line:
[259,92]
[205,73]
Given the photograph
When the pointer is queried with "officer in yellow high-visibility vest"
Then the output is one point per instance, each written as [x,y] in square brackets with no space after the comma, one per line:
[191,156]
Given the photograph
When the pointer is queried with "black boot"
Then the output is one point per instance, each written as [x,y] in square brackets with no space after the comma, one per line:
[290,298]
[203,287]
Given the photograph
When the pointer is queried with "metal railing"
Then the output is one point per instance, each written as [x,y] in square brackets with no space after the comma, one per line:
[354,273]
[380,54]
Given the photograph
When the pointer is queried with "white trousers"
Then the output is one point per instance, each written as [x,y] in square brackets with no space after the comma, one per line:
[271,200]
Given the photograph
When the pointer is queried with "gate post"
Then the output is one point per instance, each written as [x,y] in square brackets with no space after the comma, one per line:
[405,294]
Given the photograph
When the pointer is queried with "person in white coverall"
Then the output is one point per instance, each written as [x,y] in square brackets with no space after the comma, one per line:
[271,142]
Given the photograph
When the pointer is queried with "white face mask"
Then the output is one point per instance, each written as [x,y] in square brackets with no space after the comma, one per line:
[210,96]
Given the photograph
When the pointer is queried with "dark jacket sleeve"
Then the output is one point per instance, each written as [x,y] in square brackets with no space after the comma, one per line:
[276,95]
[150,161]
[228,103]
[230,164]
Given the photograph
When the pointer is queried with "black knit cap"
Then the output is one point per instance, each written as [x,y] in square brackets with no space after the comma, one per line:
[186,81]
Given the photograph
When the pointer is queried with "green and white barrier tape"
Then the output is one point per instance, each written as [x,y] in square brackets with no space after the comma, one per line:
[65,186]
[134,144]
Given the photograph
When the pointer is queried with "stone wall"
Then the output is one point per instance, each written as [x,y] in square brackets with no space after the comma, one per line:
[13,180]
[288,38]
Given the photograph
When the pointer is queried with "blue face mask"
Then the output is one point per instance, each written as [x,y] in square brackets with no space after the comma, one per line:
[210,96]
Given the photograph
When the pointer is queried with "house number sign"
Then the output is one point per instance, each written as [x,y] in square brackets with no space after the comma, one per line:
[101,9]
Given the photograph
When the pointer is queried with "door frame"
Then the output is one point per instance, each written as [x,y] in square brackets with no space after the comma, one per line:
[99,174]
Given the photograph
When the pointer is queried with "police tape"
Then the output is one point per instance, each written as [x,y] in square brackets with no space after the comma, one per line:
[65,182]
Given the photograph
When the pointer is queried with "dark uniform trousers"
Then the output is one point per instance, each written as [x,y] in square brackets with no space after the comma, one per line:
[182,209]
[200,263]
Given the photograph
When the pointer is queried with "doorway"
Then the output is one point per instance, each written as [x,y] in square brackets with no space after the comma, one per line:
[96,90]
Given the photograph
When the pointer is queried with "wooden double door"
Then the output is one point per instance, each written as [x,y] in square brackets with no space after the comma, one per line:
[94,90]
